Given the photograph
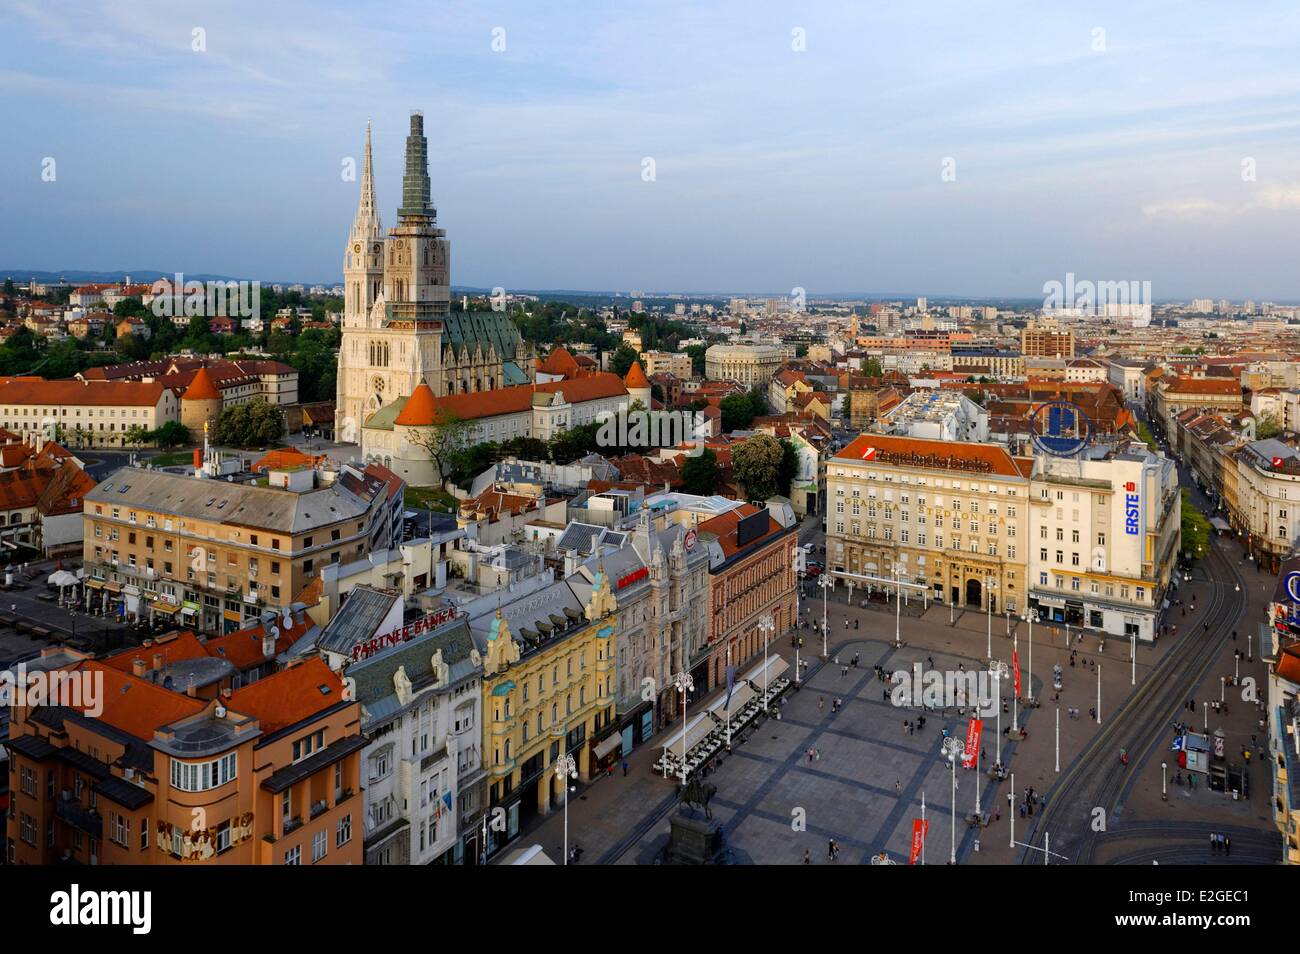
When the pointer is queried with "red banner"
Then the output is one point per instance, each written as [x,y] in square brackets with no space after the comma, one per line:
[1015,664]
[973,732]
[919,830]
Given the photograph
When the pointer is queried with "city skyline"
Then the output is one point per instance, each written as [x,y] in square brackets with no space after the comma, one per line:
[774,167]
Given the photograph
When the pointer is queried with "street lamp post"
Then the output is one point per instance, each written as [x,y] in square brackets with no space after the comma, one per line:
[898,605]
[565,769]
[685,685]
[767,628]
[1029,673]
[1164,782]
[998,670]
[1133,656]
[991,585]
[1015,699]
[825,584]
[951,750]
[1099,693]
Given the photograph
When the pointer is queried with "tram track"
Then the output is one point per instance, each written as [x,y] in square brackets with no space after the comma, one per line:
[1095,780]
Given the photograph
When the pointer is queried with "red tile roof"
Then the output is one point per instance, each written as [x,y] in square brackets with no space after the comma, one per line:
[420,409]
[289,697]
[137,706]
[519,398]
[933,455]
[72,392]
[724,528]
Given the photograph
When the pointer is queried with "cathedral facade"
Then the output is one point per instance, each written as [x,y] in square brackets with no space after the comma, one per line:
[398,327]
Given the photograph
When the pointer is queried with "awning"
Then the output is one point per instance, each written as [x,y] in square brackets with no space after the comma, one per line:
[188,611]
[1218,523]
[94,584]
[608,744]
[741,696]
[113,587]
[775,667]
[167,609]
[695,730]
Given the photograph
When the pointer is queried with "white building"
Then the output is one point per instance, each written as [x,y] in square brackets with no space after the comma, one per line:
[1104,538]
[419,685]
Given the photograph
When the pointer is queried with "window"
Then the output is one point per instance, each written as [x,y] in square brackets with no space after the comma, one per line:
[293,856]
[343,831]
[201,776]
[318,846]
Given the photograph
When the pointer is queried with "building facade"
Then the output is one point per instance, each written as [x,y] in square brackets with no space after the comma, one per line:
[214,554]
[750,365]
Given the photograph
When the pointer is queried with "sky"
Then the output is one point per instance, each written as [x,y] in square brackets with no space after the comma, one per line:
[923,148]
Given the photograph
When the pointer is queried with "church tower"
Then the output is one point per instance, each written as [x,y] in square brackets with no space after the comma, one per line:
[417,279]
[363,279]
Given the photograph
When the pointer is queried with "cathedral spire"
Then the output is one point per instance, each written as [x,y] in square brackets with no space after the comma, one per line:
[367,223]
[415,180]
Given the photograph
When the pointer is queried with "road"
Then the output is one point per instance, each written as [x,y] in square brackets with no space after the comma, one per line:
[1142,727]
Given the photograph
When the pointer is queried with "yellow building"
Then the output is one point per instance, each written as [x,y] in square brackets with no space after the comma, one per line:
[548,691]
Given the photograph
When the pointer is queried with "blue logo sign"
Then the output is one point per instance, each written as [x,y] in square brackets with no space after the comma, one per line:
[1060,428]
[1132,509]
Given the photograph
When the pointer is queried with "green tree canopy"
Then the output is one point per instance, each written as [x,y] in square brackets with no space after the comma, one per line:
[254,424]
[700,474]
[622,360]
[757,464]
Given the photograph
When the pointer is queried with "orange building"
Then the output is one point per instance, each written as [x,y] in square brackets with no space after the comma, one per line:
[751,575]
[156,772]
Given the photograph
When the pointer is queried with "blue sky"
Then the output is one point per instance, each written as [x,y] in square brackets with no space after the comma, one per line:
[774,168]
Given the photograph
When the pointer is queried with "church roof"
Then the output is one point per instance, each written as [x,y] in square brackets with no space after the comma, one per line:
[636,377]
[418,410]
[462,330]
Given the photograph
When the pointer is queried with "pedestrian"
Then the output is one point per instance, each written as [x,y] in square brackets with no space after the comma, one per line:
[898,786]
[855,660]
[625,768]
[807,857]
[821,703]
[830,849]
[1214,842]
[1227,845]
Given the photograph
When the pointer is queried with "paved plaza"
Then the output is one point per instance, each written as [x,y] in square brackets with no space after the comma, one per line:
[866,782]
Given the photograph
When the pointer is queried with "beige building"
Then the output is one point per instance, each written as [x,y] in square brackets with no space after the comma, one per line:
[98,413]
[948,517]
[214,554]
[1046,340]
[750,365]
[666,362]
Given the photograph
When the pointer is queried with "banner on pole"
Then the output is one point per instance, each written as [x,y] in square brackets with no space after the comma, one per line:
[973,732]
[1015,664]
[919,830]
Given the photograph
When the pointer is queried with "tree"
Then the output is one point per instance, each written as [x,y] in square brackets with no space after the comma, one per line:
[1195,528]
[757,464]
[135,435]
[622,360]
[737,411]
[525,448]
[697,358]
[171,434]
[789,466]
[568,446]
[1267,425]
[872,368]
[254,424]
[448,434]
[700,474]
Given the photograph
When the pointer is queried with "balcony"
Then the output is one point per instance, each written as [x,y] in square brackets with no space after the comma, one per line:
[69,810]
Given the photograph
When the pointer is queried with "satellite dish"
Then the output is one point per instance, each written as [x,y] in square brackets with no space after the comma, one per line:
[221,712]
[274,632]
[287,622]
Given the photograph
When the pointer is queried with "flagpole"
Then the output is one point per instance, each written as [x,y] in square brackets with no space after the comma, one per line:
[923,829]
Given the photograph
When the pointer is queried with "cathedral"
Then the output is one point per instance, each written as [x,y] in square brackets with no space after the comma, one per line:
[398,326]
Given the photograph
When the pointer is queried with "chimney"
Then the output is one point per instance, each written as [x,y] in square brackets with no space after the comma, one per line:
[157,660]
[268,644]
[137,666]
